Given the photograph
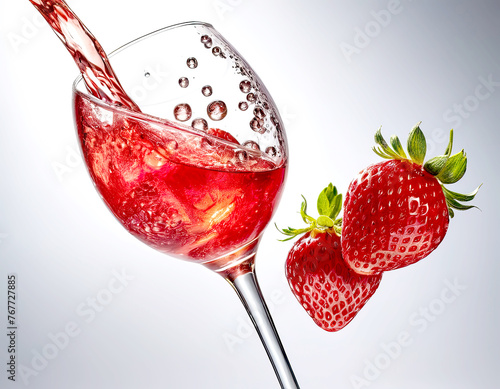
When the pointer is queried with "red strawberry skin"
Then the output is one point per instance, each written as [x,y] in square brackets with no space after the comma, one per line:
[330,292]
[222,134]
[395,214]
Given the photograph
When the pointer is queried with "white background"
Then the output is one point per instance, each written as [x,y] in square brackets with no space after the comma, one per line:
[337,70]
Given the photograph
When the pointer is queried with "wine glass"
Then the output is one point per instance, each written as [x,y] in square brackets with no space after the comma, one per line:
[199,172]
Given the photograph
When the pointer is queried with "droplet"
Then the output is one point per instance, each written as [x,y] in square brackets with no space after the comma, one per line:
[206,90]
[200,124]
[256,125]
[243,105]
[251,97]
[183,82]
[241,155]
[217,110]
[207,41]
[171,145]
[251,145]
[271,151]
[147,74]
[192,63]
[245,86]
[259,113]
[275,122]
[216,51]
[182,112]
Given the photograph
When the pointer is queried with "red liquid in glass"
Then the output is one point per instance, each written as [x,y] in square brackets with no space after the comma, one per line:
[183,193]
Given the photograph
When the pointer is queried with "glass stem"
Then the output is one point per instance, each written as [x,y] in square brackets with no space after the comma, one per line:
[248,290]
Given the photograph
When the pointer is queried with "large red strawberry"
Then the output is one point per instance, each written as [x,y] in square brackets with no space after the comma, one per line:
[330,292]
[396,212]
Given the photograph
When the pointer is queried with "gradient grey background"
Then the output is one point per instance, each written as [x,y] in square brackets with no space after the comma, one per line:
[175,324]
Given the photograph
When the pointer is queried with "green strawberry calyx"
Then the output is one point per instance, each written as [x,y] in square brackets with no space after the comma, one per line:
[447,168]
[329,205]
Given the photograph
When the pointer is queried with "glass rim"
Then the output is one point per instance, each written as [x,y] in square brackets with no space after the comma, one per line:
[160,30]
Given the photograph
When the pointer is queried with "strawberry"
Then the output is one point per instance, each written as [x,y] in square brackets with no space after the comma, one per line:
[397,212]
[217,132]
[330,292]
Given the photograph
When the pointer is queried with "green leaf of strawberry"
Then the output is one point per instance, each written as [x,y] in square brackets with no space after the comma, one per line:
[454,169]
[417,146]
[329,204]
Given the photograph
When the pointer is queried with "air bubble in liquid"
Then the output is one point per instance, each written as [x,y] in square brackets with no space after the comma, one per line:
[242,155]
[147,74]
[183,82]
[243,105]
[217,110]
[172,145]
[251,145]
[206,90]
[256,124]
[245,86]
[251,97]
[275,122]
[182,112]
[200,124]
[192,63]
[207,41]
[271,151]
[216,51]
[259,113]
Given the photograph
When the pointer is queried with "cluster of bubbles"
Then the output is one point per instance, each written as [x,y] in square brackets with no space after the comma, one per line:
[217,110]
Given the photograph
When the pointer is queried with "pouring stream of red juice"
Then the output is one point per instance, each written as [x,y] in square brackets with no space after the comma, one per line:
[88,54]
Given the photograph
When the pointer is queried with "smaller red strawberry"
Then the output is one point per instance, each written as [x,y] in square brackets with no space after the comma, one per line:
[330,292]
